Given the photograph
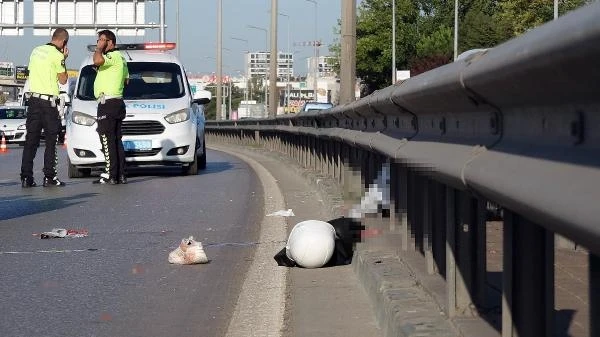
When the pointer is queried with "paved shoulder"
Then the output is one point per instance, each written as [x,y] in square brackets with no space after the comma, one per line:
[319,302]
[260,306]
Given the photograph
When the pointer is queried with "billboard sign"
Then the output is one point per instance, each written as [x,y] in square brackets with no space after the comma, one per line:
[11,13]
[99,14]
[7,70]
[21,74]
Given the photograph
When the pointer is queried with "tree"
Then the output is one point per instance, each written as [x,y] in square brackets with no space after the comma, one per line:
[237,96]
[432,51]
[424,32]
[374,35]
[480,28]
[522,15]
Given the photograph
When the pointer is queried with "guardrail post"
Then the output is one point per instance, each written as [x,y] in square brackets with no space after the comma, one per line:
[439,226]
[527,279]
[461,253]
[418,224]
[402,195]
[304,151]
[286,142]
[427,227]
[451,263]
[370,167]
[313,155]
[257,137]
[323,156]
[393,197]
[594,293]
[330,159]
[337,169]
[309,151]
[344,164]
[296,148]
[413,218]
[481,253]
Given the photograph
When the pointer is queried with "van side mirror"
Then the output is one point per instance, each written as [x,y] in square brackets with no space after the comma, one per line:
[201,97]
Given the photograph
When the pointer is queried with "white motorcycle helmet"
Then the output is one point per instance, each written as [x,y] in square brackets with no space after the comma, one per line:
[311,243]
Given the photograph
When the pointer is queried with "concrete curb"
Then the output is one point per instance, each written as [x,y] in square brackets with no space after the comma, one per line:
[402,306]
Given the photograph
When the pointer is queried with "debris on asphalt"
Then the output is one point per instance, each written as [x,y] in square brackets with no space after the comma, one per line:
[289,212]
[189,251]
[64,233]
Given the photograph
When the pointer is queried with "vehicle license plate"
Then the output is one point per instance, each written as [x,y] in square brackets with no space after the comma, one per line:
[137,145]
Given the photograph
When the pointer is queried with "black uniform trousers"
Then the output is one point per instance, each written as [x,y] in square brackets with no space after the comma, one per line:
[41,115]
[110,119]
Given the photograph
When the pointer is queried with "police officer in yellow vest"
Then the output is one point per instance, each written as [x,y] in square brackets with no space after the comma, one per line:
[108,89]
[46,70]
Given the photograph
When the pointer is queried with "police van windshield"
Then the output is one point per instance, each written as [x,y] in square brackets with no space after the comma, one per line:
[147,80]
[13,113]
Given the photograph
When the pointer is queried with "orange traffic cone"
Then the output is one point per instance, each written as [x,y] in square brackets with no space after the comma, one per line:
[3,147]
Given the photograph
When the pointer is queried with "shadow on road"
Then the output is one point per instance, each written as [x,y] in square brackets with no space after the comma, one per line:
[12,207]
[173,171]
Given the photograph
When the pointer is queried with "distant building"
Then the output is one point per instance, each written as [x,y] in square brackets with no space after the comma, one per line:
[324,66]
[257,64]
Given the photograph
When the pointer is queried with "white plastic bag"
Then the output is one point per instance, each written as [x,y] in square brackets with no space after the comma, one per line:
[189,251]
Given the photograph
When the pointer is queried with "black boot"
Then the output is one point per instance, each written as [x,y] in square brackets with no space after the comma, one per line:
[104,181]
[52,182]
[28,182]
[122,179]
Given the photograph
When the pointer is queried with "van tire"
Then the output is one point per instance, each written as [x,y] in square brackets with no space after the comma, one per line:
[75,172]
[192,168]
[202,159]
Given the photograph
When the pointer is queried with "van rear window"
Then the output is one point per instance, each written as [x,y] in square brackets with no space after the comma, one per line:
[147,80]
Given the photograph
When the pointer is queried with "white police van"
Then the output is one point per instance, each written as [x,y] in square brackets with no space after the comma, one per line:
[164,124]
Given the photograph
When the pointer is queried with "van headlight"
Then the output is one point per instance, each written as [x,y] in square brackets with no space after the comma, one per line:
[82,119]
[178,116]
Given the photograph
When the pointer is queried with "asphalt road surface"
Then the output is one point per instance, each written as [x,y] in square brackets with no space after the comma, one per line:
[117,280]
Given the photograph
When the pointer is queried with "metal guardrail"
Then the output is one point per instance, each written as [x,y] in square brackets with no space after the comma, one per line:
[518,125]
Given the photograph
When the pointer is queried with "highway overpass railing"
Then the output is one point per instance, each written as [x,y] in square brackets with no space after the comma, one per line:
[517,126]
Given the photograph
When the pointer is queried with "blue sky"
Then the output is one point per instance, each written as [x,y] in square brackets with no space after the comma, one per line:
[198,22]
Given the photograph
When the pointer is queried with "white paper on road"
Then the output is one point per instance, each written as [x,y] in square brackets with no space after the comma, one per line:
[289,212]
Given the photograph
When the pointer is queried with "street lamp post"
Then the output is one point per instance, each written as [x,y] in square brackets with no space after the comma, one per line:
[266,52]
[316,53]
[273,63]
[177,27]
[455,29]
[288,64]
[393,42]
[161,14]
[219,59]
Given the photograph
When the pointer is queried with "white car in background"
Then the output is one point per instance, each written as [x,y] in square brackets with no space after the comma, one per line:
[164,123]
[65,93]
[12,123]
